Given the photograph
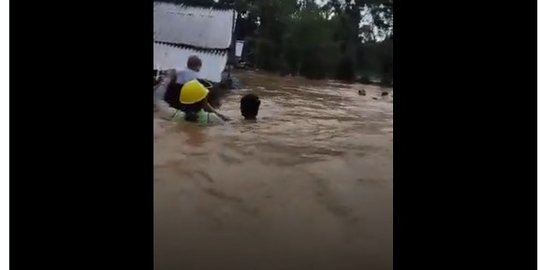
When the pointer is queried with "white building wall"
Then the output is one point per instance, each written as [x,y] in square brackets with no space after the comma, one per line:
[201,27]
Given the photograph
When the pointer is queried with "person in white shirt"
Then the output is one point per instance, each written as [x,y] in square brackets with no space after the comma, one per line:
[194,65]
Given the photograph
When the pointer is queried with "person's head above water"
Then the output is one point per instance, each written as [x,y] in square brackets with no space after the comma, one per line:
[194,63]
[249,106]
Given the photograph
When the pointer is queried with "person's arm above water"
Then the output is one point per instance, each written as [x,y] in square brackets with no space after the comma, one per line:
[214,119]
[163,108]
[169,113]
[161,88]
[211,109]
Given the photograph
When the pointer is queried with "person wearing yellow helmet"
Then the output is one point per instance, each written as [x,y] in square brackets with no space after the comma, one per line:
[194,64]
[194,100]
[172,108]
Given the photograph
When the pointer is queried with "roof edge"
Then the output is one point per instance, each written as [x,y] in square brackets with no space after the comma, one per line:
[195,48]
[215,6]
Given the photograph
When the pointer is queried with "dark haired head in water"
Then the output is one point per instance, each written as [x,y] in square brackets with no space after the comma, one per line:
[249,106]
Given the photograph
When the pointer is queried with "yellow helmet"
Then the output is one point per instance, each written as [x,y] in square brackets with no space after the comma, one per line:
[193,92]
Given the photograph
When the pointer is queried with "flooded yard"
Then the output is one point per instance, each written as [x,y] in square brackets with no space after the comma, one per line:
[308,186]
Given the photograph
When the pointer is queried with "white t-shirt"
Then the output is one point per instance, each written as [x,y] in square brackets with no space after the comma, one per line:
[186,75]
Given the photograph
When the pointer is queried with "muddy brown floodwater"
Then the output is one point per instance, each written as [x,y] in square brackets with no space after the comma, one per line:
[309,186]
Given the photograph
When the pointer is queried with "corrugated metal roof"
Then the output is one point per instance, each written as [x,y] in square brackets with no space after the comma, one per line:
[193,26]
[168,56]
[194,48]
